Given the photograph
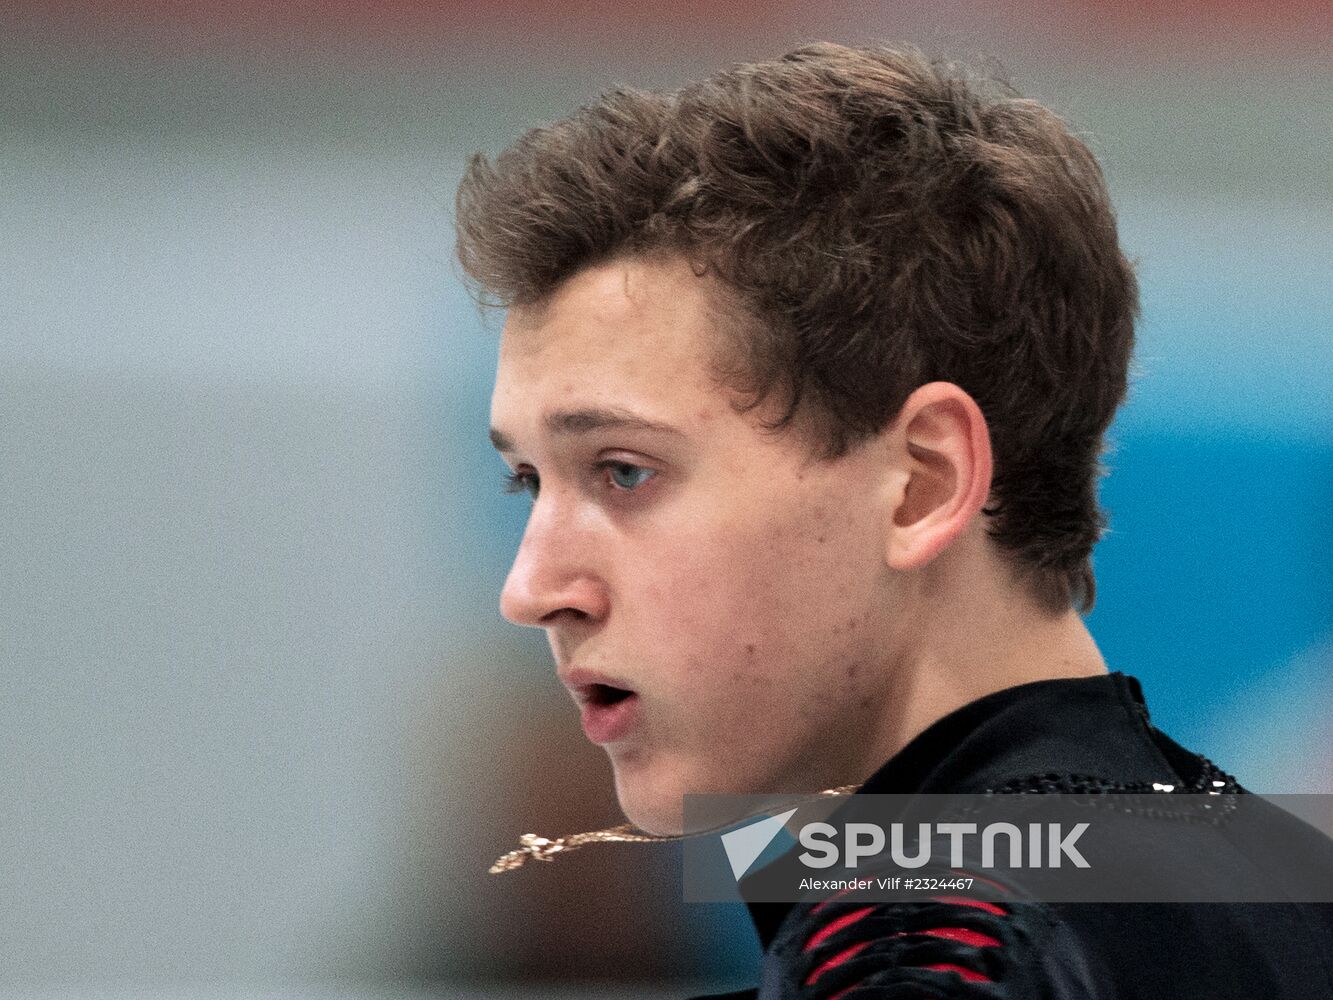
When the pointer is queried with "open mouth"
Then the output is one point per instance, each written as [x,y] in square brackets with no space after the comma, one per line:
[603,695]
[608,713]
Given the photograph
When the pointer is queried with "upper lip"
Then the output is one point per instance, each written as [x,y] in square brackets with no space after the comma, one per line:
[580,682]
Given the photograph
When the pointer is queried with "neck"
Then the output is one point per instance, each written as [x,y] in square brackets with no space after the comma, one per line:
[988,637]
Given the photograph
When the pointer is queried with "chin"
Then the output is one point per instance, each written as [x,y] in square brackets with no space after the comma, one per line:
[656,803]
[652,798]
[652,813]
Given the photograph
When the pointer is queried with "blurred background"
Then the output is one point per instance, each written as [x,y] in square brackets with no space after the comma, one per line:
[262,728]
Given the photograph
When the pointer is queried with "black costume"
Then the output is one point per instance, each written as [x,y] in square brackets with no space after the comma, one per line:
[1055,735]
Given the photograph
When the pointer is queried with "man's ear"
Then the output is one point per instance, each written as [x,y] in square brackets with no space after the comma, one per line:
[944,456]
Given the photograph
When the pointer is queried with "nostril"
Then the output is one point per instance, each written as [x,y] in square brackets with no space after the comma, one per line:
[552,618]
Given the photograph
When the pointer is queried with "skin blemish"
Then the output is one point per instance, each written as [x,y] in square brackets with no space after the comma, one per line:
[851,670]
[820,539]
[749,649]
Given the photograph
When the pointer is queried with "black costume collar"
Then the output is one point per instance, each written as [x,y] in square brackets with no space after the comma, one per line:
[1086,725]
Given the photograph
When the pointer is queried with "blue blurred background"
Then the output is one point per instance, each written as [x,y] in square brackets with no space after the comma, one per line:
[262,727]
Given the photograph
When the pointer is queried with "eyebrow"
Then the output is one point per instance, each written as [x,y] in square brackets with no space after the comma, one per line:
[586,420]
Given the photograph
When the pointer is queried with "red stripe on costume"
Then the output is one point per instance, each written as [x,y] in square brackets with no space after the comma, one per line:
[836,960]
[824,933]
[963,935]
[967,974]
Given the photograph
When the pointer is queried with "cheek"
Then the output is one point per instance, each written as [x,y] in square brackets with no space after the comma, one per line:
[729,587]
[753,609]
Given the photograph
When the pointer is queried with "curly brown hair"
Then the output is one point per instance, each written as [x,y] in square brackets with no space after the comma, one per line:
[879,220]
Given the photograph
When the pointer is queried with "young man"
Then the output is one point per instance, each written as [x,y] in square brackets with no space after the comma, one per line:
[807,369]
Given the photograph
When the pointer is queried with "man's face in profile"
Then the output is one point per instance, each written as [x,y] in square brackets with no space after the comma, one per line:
[675,551]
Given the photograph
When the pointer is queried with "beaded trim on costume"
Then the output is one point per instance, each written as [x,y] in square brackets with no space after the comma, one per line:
[1211,780]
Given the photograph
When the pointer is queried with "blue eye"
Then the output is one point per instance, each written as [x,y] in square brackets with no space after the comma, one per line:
[627,476]
[522,482]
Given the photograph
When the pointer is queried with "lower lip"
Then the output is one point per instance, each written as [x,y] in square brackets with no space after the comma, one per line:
[608,723]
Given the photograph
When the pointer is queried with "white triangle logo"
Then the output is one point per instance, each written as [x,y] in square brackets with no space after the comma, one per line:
[746,844]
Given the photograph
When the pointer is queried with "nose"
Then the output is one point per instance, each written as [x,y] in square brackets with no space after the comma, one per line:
[553,575]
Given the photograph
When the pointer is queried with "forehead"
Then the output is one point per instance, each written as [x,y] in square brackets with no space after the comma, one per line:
[629,333]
